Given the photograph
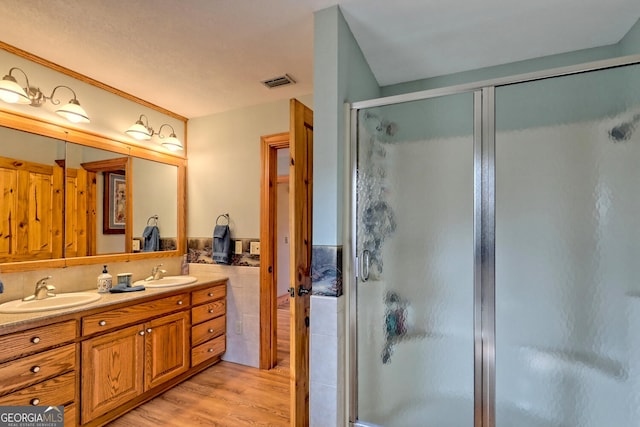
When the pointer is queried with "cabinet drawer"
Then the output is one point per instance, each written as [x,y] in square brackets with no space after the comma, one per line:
[209,294]
[208,350]
[132,314]
[70,415]
[32,340]
[54,392]
[36,368]
[207,330]
[208,311]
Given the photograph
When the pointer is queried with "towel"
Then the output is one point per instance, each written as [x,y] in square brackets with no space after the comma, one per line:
[124,288]
[222,244]
[151,236]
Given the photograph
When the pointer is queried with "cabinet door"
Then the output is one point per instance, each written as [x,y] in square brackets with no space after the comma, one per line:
[167,348]
[112,371]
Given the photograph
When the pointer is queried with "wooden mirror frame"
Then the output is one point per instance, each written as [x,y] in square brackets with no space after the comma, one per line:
[42,127]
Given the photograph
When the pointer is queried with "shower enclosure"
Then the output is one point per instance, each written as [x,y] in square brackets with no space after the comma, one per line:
[496,231]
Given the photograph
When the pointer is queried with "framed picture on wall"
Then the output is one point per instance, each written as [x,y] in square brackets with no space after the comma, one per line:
[115,203]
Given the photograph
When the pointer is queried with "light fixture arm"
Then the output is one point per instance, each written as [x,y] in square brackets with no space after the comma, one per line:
[23,73]
[172,134]
[57,101]
[145,124]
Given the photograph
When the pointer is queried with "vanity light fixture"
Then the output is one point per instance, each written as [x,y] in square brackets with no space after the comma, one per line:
[141,131]
[11,92]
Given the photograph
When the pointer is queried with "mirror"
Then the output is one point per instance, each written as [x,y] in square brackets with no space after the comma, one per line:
[96,199]
[155,205]
[75,200]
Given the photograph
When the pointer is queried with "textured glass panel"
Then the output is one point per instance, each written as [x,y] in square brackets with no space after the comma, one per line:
[415,220]
[568,251]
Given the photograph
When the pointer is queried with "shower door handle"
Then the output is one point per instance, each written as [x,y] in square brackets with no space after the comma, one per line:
[364,265]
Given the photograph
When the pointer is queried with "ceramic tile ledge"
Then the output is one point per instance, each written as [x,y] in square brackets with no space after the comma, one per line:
[326,270]
[199,252]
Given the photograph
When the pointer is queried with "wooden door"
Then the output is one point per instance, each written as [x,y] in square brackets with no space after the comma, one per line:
[300,219]
[76,213]
[166,348]
[112,371]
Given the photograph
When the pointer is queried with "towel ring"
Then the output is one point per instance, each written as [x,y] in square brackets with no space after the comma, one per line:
[225,216]
[153,218]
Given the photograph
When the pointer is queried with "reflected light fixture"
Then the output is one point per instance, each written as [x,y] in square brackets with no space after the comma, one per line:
[141,131]
[11,92]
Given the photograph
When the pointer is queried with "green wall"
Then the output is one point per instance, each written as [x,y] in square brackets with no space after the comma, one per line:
[341,74]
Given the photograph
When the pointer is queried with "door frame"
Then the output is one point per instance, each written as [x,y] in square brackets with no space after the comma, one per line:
[269,145]
[484,224]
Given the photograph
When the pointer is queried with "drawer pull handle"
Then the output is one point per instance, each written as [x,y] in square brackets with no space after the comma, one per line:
[35,340]
[35,369]
[141,333]
[102,323]
[210,294]
[148,330]
[211,310]
[210,350]
[210,330]
[35,401]
[180,302]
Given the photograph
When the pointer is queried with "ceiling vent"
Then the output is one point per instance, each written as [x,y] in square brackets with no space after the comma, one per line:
[279,81]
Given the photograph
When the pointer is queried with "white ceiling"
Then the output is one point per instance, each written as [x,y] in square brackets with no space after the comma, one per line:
[199,57]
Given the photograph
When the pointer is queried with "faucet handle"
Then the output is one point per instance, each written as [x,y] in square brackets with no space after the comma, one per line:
[43,281]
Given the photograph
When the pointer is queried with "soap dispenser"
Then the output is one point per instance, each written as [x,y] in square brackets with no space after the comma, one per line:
[104,281]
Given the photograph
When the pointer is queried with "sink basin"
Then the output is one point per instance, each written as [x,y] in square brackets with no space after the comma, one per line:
[166,282]
[59,301]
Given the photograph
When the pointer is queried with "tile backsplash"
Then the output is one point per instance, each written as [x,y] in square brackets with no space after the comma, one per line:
[80,278]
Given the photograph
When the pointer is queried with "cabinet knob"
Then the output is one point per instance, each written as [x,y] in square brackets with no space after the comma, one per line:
[35,340]
[102,323]
[210,330]
[210,350]
[210,294]
[180,302]
[35,401]
[211,310]
[35,369]
[148,330]
[141,333]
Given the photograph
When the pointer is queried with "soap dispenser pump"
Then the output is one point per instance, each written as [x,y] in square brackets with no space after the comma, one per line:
[104,281]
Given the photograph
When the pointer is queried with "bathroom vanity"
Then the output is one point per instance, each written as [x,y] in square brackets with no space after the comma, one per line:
[105,358]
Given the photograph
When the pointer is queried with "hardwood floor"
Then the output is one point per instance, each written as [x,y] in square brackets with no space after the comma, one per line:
[225,395]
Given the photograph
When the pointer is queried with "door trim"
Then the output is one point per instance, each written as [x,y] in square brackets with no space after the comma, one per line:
[270,145]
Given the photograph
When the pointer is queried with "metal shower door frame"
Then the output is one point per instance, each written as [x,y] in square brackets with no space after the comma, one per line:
[483,228]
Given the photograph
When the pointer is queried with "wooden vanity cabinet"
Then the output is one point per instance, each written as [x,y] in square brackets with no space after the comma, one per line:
[38,367]
[105,361]
[122,365]
[208,338]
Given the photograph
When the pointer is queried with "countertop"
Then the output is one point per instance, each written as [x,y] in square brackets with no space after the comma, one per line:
[13,320]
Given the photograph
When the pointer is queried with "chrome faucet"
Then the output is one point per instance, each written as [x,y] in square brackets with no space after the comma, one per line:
[43,290]
[156,273]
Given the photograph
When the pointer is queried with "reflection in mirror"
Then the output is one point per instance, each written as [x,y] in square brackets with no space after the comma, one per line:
[95,201]
[31,183]
[155,193]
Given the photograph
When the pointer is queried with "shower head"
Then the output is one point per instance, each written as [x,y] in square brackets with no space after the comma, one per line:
[623,131]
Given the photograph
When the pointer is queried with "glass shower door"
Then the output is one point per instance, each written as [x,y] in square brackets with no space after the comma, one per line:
[415,287]
[568,251]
